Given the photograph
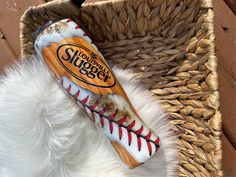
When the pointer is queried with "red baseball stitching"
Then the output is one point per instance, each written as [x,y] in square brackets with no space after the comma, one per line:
[69,20]
[120,132]
[148,135]
[139,131]
[130,126]
[102,112]
[120,122]
[139,143]
[76,95]
[129,137]
[111,126]
[93,106]
[157,141]
[68,89]
[112,116]
[149,148]
[84,101]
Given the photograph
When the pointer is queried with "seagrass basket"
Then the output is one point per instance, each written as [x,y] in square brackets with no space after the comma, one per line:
[170,45]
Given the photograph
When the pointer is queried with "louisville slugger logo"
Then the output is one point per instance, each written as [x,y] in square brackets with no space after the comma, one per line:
[85,65]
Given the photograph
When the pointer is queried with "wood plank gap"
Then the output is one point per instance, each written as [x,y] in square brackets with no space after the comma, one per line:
[225,32]
[229,158]
[232,5]
[229,138]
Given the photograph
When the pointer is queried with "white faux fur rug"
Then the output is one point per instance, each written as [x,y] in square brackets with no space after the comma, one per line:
[44,134]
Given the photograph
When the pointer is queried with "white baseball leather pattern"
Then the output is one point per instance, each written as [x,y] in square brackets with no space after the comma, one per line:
[135,137]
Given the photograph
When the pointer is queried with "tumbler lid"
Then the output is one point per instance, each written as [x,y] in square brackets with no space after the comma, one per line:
[40,29]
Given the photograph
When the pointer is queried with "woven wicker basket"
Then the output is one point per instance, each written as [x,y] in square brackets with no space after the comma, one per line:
[170,45]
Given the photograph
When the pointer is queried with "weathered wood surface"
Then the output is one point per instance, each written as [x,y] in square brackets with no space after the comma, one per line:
[231,4]
[10,13]
[225,31]
[229,158]
[7,55]
[228,104]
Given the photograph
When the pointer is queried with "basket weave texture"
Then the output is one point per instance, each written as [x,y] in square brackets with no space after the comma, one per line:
[170,45]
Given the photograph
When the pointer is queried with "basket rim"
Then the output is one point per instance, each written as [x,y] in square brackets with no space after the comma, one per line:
[205,4]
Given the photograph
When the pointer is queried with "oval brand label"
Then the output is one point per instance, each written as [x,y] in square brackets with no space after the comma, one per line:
[85,65]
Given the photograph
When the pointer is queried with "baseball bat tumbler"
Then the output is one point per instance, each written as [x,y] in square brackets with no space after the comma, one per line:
[85,75]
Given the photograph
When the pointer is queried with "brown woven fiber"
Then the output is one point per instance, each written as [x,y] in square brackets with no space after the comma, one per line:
[170,45]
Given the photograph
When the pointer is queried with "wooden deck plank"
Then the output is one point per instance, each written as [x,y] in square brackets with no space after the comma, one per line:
[11,11]
[231,4]
[225,31]
[228,103]
[229,158]
[7,55]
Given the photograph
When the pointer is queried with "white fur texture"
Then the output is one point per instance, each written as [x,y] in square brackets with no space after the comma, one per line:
[43,133]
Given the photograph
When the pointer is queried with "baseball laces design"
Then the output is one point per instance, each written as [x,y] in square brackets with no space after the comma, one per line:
[123,130]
